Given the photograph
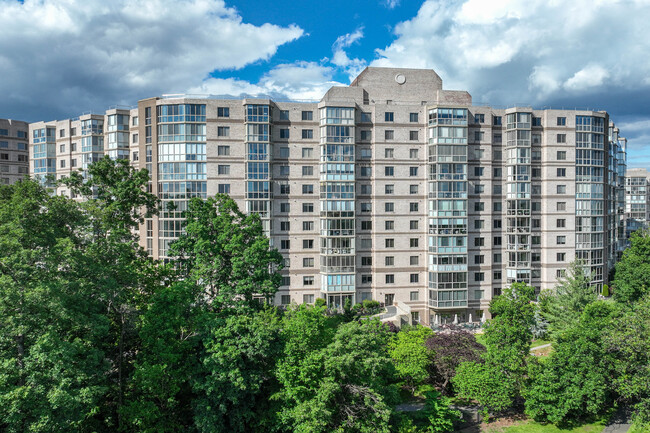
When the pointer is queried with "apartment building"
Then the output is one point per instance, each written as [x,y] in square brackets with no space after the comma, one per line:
[637,199]
[391,189]
[14,150]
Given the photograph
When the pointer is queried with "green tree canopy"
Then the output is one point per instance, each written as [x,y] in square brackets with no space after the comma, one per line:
[632,276]
[410,355]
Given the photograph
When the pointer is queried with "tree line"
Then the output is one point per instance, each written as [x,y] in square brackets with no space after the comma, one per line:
[95,336]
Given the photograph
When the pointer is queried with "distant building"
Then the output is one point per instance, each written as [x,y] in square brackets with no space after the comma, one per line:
[391,189]
[637,199]
[14,150]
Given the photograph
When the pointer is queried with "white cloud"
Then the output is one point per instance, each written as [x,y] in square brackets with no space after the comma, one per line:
[532,51]
[91,53]
[340,57]
[391,4]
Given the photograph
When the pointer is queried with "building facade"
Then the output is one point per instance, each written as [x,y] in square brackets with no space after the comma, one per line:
[14,150]
[391,189]
[637,200]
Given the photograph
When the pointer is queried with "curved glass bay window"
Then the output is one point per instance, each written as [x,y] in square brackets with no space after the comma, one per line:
[44,141]
[337,212]
[258,175]
[518,197]
[447,209]
[181,166]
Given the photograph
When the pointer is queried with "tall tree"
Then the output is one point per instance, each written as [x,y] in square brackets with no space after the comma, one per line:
[410,355]
[632,275]
[226,252]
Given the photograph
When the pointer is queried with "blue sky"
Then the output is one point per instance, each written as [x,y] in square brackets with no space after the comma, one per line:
[60,58]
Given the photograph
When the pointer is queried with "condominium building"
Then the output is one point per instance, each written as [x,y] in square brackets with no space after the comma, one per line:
[637,199]
[391,189]
[14,151]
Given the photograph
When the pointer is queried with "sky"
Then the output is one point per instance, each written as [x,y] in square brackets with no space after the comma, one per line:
[62,58]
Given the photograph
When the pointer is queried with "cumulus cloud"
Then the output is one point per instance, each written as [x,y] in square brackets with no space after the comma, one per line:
[340,57]
[90,53]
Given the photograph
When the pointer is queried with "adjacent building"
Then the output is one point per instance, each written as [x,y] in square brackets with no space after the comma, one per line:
[14,150]
[391,189]
[637,199]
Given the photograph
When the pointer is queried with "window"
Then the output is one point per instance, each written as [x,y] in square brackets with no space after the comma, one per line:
[366,207]
[479,259]
[388,116]
[479,118]
[413,135]
[389,207]
[73,162]
[285,244]
[414,242]
[561,257]
[497,224]
[496,189]
[285,226]
[414,296]
[307,244]
[285,207]
[479,276]
[73,147]
[561,138]
[307,115]
[537,121]
[365,135]
[413,171]
[223,131]
[414,260]
[223,150]
[497,172]
[389,134]
[308,189]
[413,224]
[413,153]
[62,163]
[307,152]
[537,172]
[496,258]
[223,169]
[61,148]
[413,189]
[478,171]
[223,188]
[389,171]
[223,112]
[285,281]
[479,206]
[389,261]
[285,188]
[390,243]
[479,135]
[561,172]
[365,171]
[479,189]
[560,223]
[535,240]
[366,278]
[284,114]
[535,257]
[307,299]
[308,262]
[307,207]
[561,121]
[366,117]
[497,241]
[307,226]
[497,206]
[366,261]
[560,240]
[307,133]
[308,281]
[561,205]
[413,207]
[413,117]
[479,242]
[284,133]
[61,133]
[389,225]
[414,278]
[497,120]
[478,224]
[284,152]
[366,225]
[561,155]
[561,189]
[388,153]
[390,278]
[307,170]
[285,299]
[496,275]
[284,170]
[365,190]
[389,189]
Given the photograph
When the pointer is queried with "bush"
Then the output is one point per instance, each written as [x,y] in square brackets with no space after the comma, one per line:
[320,302]
[605,292]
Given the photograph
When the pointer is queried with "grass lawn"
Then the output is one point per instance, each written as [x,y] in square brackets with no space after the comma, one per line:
[533,427]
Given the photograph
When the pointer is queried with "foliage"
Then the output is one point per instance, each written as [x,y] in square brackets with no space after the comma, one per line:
[627,340]
[573,383]
[496,383]
[410,355]
[368,307]
[562,306]
[449,350]
[440,416]
[605,291]
[345,386]
[632,276]
[240,355]
[226,252]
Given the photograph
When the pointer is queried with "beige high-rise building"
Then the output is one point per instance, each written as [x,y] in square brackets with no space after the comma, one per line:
[637,199]
[391,189]
[14,164]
